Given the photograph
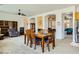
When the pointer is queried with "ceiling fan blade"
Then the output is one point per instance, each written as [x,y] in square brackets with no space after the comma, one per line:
[23,14]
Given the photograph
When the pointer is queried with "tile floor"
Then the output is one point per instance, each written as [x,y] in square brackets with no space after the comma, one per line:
[16,45]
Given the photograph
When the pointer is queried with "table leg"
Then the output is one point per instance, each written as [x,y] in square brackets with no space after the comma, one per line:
[43,44]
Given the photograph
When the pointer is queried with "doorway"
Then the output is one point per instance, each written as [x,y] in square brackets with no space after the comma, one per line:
[68,25]
[51,20]
[32,23]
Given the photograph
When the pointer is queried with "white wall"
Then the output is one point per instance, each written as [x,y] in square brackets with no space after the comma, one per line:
[59,21]
[77,9]
[32,20]
[9,17]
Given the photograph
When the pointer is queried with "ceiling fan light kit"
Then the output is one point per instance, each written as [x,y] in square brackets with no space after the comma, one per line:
[19,13]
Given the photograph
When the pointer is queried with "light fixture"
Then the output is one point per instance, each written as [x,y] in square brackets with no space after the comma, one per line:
[19,13]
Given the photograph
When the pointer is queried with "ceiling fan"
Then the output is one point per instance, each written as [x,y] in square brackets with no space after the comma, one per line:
[20,13]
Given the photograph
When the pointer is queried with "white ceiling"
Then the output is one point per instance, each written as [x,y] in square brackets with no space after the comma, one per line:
[31,9]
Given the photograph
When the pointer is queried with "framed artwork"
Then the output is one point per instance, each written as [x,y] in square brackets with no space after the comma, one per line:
[40,22]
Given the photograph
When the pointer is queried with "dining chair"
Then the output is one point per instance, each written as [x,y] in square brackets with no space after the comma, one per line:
[28,35]
[52,37]
[38,41]
[51,40]
[47,42]
[32,39]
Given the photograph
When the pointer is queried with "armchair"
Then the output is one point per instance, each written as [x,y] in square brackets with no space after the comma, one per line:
[13,33]
[69,30]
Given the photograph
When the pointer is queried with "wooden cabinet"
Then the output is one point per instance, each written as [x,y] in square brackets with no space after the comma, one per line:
[14,24]
[5,25]
[1,23]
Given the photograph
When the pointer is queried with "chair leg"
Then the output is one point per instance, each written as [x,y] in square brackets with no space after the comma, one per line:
[48,46]
[24,39]
[27,41]
[53,43]
[41,44]
[35,45]
[31,43]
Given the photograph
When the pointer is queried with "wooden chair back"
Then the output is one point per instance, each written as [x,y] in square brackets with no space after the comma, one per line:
[28,33]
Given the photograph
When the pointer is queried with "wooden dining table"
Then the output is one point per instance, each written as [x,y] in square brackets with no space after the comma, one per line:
[42,39]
